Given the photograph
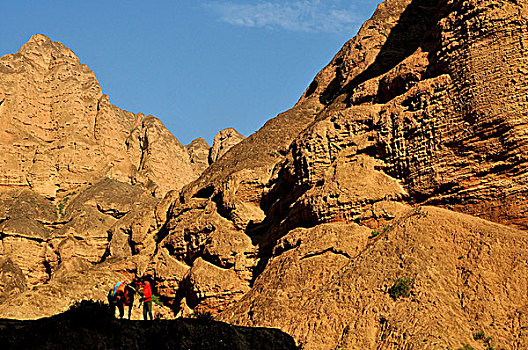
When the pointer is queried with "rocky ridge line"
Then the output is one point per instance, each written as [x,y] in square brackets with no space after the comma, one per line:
[81,178]
[307,224]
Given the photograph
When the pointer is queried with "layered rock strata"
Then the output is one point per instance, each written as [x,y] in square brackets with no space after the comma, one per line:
[309,223]
[79,177]
[419,108]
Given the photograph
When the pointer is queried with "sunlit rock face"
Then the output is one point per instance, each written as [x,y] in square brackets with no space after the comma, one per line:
[425,106]
[74,168]
[61,132]
[414,130]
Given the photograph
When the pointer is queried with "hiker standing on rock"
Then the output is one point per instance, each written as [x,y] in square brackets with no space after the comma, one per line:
[146,291]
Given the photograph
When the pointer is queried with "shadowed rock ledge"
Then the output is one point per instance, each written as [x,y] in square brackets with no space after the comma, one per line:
[89,325]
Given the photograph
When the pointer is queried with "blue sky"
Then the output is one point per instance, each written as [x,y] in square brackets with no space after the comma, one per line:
[200,66]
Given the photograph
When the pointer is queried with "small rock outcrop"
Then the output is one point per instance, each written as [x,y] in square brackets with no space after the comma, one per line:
[198,151]
[223,142]
[202,155]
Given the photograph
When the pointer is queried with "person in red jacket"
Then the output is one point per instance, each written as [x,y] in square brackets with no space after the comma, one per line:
[146,298]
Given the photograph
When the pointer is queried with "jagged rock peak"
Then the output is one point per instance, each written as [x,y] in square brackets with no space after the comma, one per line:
[202,155]
[223,141]
[39,38]
[40,42]
[42,49]
[199,141]
[62,132]
[198,151]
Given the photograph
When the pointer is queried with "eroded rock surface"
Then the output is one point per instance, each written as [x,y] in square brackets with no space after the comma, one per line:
[61,131]
[308,223]
[407,113]
[80,178]
[467,276]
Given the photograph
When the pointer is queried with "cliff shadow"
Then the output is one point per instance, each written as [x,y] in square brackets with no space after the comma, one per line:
[91,325]
[404,39]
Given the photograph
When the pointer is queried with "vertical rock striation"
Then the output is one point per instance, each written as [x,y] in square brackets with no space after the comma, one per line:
[309,224]
[76,172]
[62,132]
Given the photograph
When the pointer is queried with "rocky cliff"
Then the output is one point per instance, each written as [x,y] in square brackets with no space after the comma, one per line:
[61,132]
[425,106]
[384,210]
[72,163]
[80,178]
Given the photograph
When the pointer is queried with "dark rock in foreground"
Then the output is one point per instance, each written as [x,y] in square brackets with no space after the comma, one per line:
[89,325]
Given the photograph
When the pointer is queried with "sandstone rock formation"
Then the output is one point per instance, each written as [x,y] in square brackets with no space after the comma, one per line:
[468,276]
[199,154]
[310,223]
[61,131]
[202,155]
[223,142]
[80,178]
[419,108]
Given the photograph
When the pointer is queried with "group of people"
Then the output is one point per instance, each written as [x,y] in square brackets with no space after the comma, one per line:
[122,294]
